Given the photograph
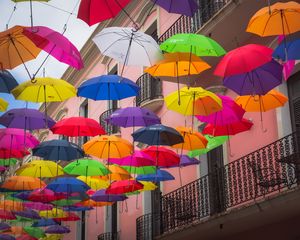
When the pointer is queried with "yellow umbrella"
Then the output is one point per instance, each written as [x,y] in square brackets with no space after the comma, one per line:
[53,237]
[53,213]
[94,182]
[40,168]
[148,186]
[3,105]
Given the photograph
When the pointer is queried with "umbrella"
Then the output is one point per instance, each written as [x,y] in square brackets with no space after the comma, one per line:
[3,169]
[28,213]
[67,185]
[231,112]
[243,59]
[108,87]
[86,167]
[66,202]
[78,208]
[78,126]
[128,46]
[41,169]
[197,44]
[57,229]
[96,11]
[45,195]
[35,232]
[137,159]
[157,134]
[94,182]
[279,18]
[185,161]
[192,140]
[184,7]
[53,213]
[38,206]
[44,222]
[124,186]
[3,105]
[11,205]
[8,153]
[132,117]
[6,237]
[58,45]
[8,162]
[141,170]
[6,215]
[117,173]
[102,196]
[25,118]
[148,186]
[26,237]
[229,129]
[289,50]
[163,156]
[7,81]
[4,226]
[258,81]
[16,230]
[22,183]
[106,147]
[70,217]
[159,176]
[92,203]
[56,150]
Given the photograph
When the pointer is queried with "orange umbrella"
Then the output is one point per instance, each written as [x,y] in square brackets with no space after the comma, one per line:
[279,18]
[11,205]
[21,183]
[92,203]
[117,173]
[15,230]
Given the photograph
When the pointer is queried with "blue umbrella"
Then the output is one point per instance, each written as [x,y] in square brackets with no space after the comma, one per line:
[289,50]
[68,185]
[7,81]
[58,150]
[159,176]
[158,134]
[28,213]
[44,222]
[108,87]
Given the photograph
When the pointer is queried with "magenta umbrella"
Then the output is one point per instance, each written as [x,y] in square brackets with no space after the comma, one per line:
[58,45]
[138,159]
[38,206]
[230,113]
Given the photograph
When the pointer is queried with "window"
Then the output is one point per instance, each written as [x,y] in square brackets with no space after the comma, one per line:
[113,104]
[83,112]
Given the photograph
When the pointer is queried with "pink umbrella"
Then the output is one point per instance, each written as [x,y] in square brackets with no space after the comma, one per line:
[38,206]
[58,45]
[230,113]
[16,139]
[138,159]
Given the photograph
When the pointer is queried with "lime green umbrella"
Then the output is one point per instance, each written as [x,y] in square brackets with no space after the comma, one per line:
[66,202]
[86,167]
[140,170]
[8,162]
[21,220]
[35,232]
[132,193]
[213,142]
[197,44]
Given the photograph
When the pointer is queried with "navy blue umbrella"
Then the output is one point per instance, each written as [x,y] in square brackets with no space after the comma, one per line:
[158,134]
[68,185]
[77,208]
[55,150]
[44,222]
[289,50]
[159,176]
[108,87]
[7,81]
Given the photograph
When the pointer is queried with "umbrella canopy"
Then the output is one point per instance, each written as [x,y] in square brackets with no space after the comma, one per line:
[197,44]
[25,118]
[289,50]
[54,213]
[10,205]
[148,186]
[163,156]
[108,87]
[3,105]
[258,81]
[67,185]
[257,103]
[57,229]
[7,215]
[7,81]
[8,153]
[193,101]
[8,162]
[133,117]
[44,90]
[58,45]
[22,183]
[26,237]
[40,168]
[28,213]
[92,203]
[117,173]
[45,195]
[279,18]
[106,147]
[243,59]
[159,176]
[192,140]
[44,222]
[95,11]
[128,46]
[70,217]
[229,129]
[141,170]
[184,7]
[35,232]
[6,237]
[157,134]
[94,182]
[38,206]
[56,150]
[102,196]
[78,126]
[86,167]
[185,161]
[124,186]
[137,159]
[4,226]
[231,112]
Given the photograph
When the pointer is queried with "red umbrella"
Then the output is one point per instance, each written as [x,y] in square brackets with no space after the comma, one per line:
[163,156]
[45,195]
[95,11]
[71,217]
[26,237]
[12,153]
[229,129]
[78,126]
[243,59]
[7,215]
[124,186]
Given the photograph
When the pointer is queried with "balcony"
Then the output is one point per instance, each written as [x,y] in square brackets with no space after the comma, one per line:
[150,95]
[109,236]
[109,129]
[254,181]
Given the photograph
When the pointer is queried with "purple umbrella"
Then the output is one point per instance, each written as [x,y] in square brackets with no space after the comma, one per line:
[101,196]
[6,237]
[185,7]
[4,227]
[25,118]
[258,81]
[230,113]
[188,161]
[57,229]
[28,213]
[132,117]
[58,45]
[38,206]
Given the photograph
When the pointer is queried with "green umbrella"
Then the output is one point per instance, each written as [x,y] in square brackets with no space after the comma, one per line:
[197,44]
[8,162]
[86,167]
[66,202]
[140,170]
[213,142]
[35,232]
[132,193]
[21,220]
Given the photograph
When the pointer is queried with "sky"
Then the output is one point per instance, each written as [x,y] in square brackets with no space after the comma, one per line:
[44,15]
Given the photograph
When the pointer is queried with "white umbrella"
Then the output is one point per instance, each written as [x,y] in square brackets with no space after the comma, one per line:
[128,46]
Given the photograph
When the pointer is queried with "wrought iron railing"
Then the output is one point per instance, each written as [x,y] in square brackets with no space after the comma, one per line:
[264,172]
[184,24]
[109,129]
[151,88]
[109,236]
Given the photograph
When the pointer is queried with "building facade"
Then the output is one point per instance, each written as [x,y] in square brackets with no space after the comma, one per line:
[225,196]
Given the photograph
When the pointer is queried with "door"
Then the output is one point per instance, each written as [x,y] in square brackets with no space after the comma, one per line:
[114,221]
[156,212]
[294,100]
